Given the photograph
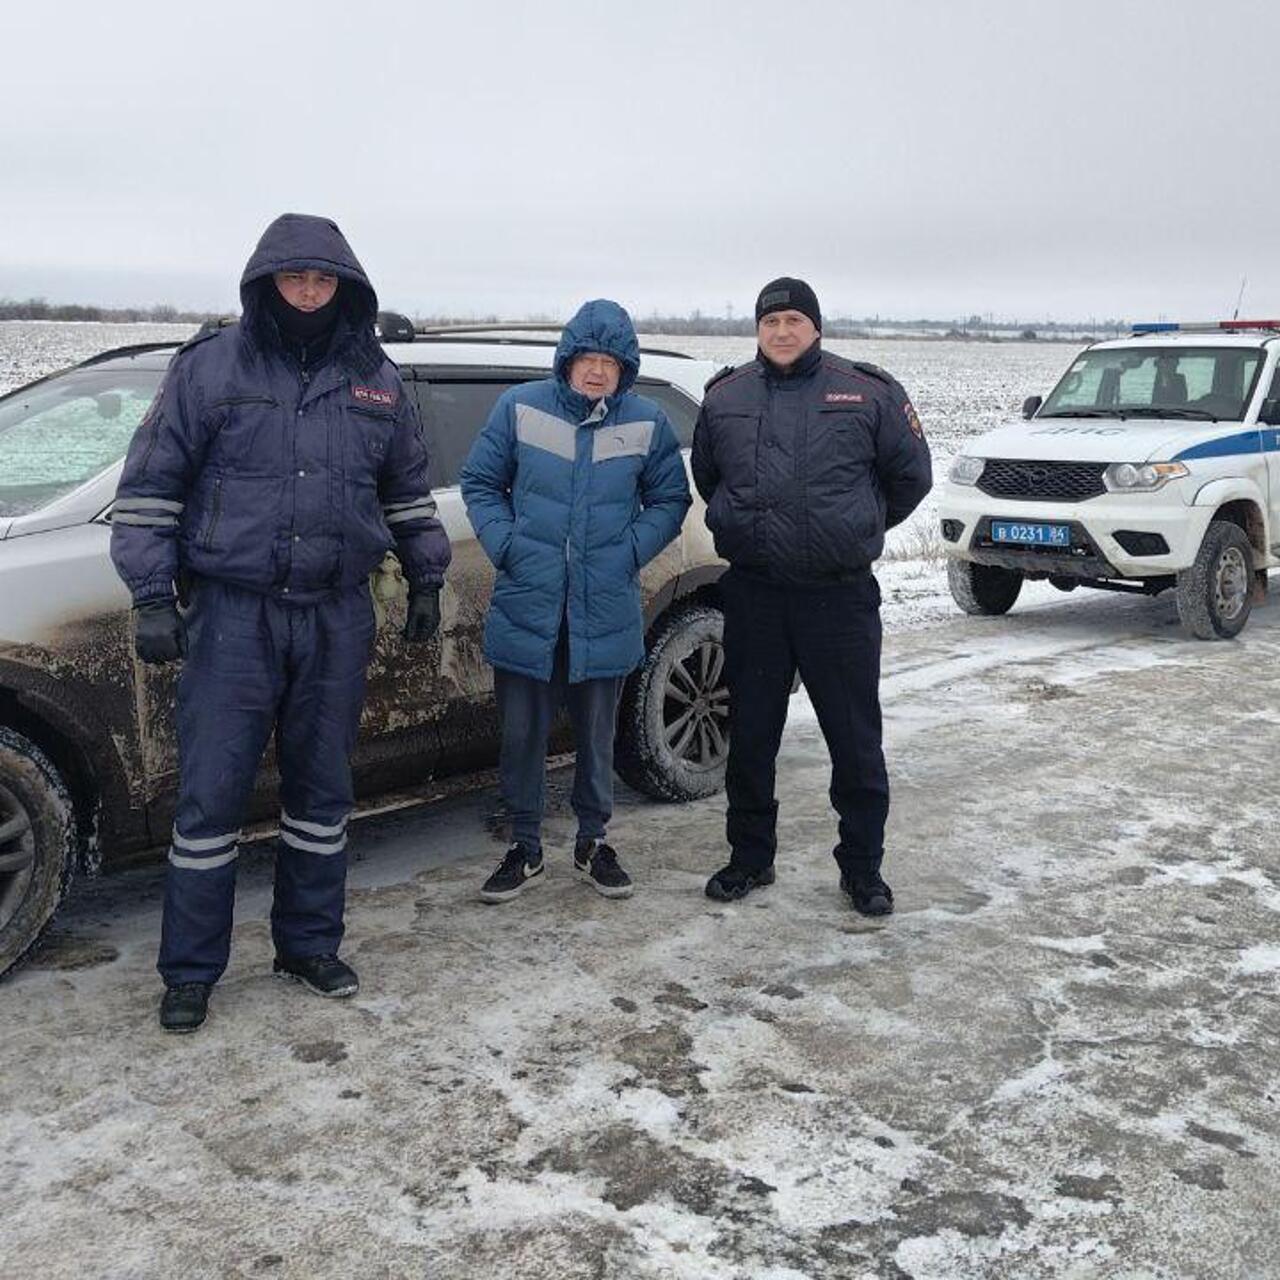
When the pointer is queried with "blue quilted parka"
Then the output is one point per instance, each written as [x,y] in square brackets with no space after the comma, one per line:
[570,498]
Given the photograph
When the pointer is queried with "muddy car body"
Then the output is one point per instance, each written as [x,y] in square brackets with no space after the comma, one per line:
[88,762]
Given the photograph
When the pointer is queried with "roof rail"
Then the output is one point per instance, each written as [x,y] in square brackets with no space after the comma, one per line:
[394,327]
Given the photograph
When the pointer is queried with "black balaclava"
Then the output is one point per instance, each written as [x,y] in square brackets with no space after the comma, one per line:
[304,334]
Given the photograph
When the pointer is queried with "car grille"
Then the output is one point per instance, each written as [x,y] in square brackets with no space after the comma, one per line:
[1053,481]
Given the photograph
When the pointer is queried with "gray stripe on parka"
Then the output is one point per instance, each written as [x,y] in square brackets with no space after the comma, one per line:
[623,440]
[543,430]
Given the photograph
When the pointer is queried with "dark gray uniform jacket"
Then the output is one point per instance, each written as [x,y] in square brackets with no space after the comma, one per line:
[803,470]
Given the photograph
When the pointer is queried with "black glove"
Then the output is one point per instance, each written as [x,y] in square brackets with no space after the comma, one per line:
[422,620]
[159,635]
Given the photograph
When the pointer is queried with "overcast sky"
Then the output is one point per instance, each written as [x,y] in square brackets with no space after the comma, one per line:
[1072,160]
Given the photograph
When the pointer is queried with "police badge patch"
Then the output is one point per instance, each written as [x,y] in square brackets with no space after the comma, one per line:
[913,419]
[373,395]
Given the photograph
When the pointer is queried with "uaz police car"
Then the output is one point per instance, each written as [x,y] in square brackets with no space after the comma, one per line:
[1153,465]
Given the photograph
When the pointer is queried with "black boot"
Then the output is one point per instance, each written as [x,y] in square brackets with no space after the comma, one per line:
[868,893]
[325,975]
[185,1006]
[733,882]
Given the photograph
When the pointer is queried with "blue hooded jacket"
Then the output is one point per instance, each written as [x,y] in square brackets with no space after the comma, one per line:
[570,498]
[253,470]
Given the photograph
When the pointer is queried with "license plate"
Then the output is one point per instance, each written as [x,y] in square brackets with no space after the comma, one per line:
[1031,535]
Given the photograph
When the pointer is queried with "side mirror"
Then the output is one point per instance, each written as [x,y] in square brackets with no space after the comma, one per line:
[1030,405]
[1269,414]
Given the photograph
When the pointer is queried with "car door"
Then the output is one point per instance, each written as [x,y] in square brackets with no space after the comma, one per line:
[436,699]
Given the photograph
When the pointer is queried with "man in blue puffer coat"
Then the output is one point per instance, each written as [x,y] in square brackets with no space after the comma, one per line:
[279,463]
[574,484]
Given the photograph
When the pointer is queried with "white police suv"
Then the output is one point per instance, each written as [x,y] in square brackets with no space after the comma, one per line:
[1153,465]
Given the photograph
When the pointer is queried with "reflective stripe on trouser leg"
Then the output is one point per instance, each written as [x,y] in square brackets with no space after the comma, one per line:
[227,694]
[316,733]
[199,896]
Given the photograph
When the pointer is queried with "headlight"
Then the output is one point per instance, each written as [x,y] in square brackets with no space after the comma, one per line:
[1141,477]
[966,470]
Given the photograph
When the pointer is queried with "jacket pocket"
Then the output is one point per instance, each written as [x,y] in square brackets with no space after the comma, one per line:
[845,435]
[369,435]
[243,433]
[215,515]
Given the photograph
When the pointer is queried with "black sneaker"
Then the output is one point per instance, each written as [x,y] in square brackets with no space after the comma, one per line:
[869,894]
[733,882]
[518,867]
[597,864]
[325,975]
[183,1007]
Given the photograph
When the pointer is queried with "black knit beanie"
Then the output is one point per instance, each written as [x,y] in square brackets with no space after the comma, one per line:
[789,294]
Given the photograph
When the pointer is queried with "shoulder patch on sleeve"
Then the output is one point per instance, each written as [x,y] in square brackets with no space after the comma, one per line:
[913,419]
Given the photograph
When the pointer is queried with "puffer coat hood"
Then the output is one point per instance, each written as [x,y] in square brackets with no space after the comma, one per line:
[604,326]
[301,242]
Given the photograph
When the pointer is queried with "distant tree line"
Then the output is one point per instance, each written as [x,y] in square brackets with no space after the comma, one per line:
[39,309]
[694,323]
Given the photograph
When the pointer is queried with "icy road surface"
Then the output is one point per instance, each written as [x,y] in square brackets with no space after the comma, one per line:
[1059,1059]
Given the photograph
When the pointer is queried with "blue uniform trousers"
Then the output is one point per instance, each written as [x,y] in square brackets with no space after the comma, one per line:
[255,664]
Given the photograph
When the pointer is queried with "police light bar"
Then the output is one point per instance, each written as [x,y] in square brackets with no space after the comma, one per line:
[1212,326]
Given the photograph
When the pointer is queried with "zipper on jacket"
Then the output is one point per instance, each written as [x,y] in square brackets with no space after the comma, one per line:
[217,513]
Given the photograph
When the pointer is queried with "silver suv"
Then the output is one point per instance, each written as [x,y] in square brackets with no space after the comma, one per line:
[88,761]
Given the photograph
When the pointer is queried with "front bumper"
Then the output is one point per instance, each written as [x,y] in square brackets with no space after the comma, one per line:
[1095,551]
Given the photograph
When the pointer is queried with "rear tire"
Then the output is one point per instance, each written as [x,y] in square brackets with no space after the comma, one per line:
[38,845]
[983,589]
[1215,595]
[673,735]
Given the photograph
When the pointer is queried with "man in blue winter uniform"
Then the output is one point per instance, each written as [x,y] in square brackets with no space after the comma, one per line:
[574,484]
[279,463]
[804,459]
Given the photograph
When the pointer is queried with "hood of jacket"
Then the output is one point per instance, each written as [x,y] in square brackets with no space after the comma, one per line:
[601,326]
[300,242]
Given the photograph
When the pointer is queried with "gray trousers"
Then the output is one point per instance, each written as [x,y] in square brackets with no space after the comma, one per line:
[527,708]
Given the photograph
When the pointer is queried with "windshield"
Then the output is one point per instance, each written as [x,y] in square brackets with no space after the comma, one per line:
[1197,383]
[57,434]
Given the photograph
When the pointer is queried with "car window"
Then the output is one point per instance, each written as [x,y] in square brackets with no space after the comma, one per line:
[679,408]
[453,413]
[57,434]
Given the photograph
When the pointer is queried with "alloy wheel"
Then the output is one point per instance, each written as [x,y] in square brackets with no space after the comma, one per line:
[17,854]
[696,707]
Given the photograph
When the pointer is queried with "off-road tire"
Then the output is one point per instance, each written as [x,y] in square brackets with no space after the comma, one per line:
[691,637]
[1215,595]
[983,589]
[38,845]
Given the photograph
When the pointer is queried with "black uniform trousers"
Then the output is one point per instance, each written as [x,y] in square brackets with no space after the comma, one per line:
[830,634]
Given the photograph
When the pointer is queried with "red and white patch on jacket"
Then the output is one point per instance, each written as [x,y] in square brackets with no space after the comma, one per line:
[843,397]
[373,395]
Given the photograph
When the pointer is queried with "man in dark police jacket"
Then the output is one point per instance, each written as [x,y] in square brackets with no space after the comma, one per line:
[804,459]
[279,463]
